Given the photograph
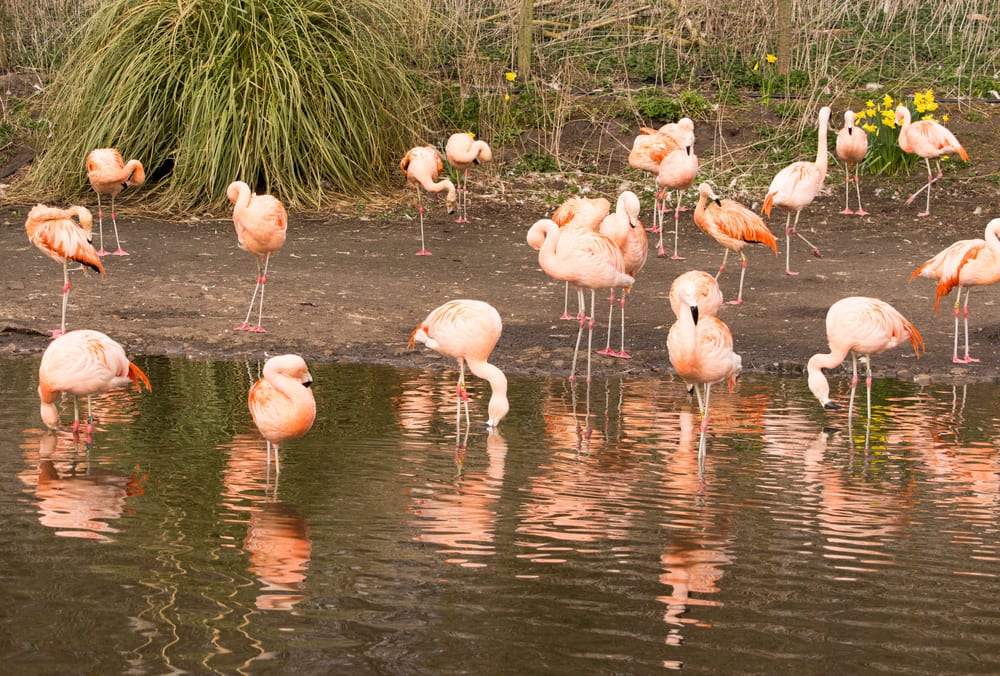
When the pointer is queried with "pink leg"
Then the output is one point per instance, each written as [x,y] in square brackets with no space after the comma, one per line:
[114,221]
[607,351]
[623,354]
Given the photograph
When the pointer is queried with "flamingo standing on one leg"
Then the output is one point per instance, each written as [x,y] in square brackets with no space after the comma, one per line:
[862,326]
[966,263]
[852,145]
[585,213]
[648,150]
[927,139]
[281,402]
[733,226]
[676,172]
[795,187]
[468,330]
[261,224]
[700,349]
[422,165]
[83,363]
[63,239]
[463,150]
[109,174]
[626,231]
[585,259]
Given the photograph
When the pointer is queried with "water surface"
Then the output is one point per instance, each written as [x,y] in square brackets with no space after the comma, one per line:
[582,539]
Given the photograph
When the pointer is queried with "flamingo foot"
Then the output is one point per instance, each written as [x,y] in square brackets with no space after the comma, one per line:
[738,301]
[119,252]
[103,252]
[675,257]
[242,327]
[816,253]
[909,200]
[846,211]
[257,329]
[423,252]
[572,378]
[653,229]
[608,352]
[461,220]
[790,273]
[566,315]
[924,213]
[661,253]
[622,355]
[861,212]
[964,360]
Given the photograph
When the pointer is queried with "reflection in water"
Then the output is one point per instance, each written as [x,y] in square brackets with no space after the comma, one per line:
[75,497]
[278,543]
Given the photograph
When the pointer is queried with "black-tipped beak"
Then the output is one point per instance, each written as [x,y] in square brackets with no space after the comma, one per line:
[307,383]
[694,313]
[831,405]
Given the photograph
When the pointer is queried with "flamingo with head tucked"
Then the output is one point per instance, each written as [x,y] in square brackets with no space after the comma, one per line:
[63,239]
[852,146]
[677,172]
[464,150]
[422,165]
[281,403]
[109,174]
[795,187]
[927,139]
[261,223]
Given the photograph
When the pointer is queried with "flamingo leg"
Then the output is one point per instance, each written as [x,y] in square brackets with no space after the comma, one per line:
[579,335]
[854,384]
[590,331]
[119,251]
[725,257]
[657,217]
[566,314]
[857,189]
[420,208]
[65,300]
[868,385]
[965,313]
[927,186]
[245,326]
[677,217]
[100,226]
[788,244]
[463,192]
[263,281]
[623,354]
[611,314]
[702,440]
[847,190]
[795,231]
[743,273]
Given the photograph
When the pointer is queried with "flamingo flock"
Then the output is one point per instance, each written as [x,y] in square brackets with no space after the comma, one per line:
[582,243]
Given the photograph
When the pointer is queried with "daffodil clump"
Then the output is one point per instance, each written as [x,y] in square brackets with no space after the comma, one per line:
[768,75]
[879,122]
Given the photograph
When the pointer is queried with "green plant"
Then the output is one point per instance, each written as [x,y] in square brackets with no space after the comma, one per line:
[694,105]
[295,97]
[539,161]
[654,105]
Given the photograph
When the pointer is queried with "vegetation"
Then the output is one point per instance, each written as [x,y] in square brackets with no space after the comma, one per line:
[307,98]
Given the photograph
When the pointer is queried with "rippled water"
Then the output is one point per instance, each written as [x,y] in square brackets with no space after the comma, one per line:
[584,539]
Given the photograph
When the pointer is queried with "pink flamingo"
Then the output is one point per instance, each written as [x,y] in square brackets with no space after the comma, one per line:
[422,165]
[676,172]
[927,139]
[109,175]
[463,150]
[281,402]
[852,145]
[626,231]
[585,213]
[966,263]
[862,326]
[261,224]
[468,330]
[795,187]
[83,363]
[648,150]
[708,296]
[63,239]
[585,259]
[733,226]
[700,349]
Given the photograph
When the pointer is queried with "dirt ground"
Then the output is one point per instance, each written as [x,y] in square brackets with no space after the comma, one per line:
[349,287]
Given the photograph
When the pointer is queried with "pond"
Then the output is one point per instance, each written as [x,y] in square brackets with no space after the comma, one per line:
[582,538]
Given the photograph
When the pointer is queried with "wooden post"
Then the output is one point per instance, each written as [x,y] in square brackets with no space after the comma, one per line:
[524,39]
[783,15]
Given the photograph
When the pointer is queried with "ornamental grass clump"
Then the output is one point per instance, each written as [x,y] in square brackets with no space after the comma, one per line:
[300,98]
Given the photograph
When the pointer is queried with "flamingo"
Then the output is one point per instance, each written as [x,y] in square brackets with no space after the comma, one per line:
[468,330]
[648,150]
[676,172]
[281,402]
[261,223]
[585,213]
[795,187]
[421,165]
[966,263]
[852,145]
[585,259]
[862,326]
[83,363]
[463,150]
[626,231]
[708,296]
[733,226]
[927,139]
[109,174]
[63,239]
[700,348]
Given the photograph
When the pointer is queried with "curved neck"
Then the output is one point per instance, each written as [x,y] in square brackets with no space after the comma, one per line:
[498,405]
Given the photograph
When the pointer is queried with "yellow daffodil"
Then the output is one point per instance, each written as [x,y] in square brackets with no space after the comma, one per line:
[756,67]
[869,104]
[506,97]
[771,58]
[511,76]
[887,102]
[944,118]
[870,128]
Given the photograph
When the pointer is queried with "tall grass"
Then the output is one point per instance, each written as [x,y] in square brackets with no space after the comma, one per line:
[299,98]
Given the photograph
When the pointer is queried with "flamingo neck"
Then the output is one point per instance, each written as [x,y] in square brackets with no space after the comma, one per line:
[498,405]
[817,381]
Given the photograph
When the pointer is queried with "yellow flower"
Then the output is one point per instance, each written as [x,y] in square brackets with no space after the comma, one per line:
[756,67]
[944,118]
[870,128]
[771,58]
[511,76]
[506,97]
[869,103]
[887,102]
[929,96]
[888,119]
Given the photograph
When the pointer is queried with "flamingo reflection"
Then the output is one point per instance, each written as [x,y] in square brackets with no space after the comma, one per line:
[76,498]
[277,542]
